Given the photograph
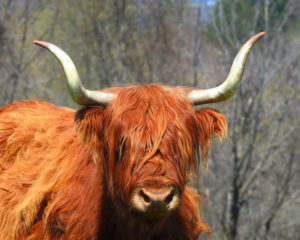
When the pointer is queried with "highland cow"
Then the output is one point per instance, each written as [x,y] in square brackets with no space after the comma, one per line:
[117,168]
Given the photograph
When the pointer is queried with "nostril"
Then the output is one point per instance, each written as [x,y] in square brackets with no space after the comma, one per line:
[144,196]
[169,198]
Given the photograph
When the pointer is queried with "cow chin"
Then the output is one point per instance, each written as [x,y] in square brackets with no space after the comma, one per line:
[155,203]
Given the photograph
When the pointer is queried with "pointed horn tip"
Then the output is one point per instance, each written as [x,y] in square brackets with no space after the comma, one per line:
[42,43]
[256,37]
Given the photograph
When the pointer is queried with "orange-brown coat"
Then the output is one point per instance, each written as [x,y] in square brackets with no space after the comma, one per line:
[71,175]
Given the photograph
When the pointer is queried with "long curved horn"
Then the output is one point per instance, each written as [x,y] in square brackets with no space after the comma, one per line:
[228,88]
[79,94]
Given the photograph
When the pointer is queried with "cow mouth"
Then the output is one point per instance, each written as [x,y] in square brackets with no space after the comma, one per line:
[155,204]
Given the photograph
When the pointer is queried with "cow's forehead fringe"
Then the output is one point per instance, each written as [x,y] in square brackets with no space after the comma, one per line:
[150,117]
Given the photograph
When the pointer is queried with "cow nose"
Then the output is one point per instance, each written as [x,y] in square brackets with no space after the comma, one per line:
[157,199]
[155,203]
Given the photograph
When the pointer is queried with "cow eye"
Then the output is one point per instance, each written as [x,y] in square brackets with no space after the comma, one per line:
[121,151]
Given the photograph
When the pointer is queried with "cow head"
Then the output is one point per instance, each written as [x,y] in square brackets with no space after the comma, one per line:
[146,138]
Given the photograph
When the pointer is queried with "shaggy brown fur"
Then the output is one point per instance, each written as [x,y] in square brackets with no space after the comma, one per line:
[66,179]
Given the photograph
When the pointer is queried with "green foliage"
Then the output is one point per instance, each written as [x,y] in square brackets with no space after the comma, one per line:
[237,18]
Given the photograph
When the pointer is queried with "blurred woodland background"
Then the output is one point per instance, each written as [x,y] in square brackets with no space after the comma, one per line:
[250,189]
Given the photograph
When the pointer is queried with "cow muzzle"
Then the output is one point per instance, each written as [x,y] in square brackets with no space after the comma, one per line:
[155,203]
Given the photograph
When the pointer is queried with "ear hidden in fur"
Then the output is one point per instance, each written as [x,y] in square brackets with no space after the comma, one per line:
[210,123]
